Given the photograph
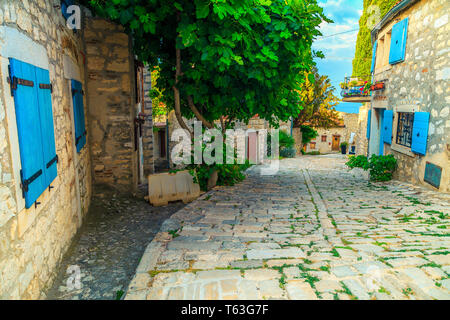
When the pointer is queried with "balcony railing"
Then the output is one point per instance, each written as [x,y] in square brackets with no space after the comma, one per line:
[356,89]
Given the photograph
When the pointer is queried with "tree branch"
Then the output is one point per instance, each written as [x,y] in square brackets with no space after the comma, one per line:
[198,115]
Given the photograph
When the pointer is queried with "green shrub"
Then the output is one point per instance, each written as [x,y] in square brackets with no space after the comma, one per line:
[381,168]
[230,174]
[312,153]
[344,144]
[288,153]
[358,162]
[286,141]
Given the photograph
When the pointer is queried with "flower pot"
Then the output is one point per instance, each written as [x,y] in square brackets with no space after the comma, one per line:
[344,149]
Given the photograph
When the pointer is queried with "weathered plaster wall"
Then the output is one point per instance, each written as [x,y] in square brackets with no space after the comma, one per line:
[33,241]
[421,83]
[110,92]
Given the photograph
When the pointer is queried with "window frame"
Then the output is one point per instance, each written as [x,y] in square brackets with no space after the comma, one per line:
[409,119]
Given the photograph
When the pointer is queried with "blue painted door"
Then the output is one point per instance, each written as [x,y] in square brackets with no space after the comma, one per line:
[29,131]
[420,132]
[369,121]
[381,150]
[387,126]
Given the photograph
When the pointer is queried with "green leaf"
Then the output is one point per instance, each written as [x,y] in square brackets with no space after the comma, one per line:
[178,6]
[202,9]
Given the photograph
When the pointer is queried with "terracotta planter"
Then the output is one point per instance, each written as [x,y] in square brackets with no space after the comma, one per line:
[377,86]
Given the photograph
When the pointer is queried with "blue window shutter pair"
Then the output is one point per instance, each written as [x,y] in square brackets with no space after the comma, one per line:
[78,113]
[398,42]
[34,115]
[369,117]
[387,126]
[374,54]
[420,132]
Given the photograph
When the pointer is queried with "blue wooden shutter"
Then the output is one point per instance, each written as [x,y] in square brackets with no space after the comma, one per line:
[387,126]
[47,129]
[78,111]
[369,117]
[374,54]
[64,5]
[28,130]
[398,42]
[420,132]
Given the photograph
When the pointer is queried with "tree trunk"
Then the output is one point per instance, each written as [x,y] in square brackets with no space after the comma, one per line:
[176,93]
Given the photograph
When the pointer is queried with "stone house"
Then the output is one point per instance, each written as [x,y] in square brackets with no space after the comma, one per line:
[409,114]
[73,114]
[253,150]
[351,129]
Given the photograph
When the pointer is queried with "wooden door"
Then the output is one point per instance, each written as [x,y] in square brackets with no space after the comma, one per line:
[336,143]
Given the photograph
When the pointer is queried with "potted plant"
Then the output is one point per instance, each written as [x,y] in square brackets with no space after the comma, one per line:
[344,85]
[344,146]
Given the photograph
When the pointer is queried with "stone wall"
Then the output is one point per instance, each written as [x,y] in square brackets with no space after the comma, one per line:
[361,135]
[111,99]
[147,140]
[421,83]
[33,241]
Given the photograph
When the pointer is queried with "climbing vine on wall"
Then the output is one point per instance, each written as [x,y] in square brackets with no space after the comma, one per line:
[363,53]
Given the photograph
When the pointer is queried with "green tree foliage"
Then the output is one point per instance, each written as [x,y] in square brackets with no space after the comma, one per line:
[159,109]
[233,58]
[363,52]
[318,102]
[308,134]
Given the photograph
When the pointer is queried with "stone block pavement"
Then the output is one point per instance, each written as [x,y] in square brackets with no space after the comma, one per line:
[313,231]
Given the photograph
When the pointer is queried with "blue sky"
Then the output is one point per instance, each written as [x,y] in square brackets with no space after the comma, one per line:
[339,50]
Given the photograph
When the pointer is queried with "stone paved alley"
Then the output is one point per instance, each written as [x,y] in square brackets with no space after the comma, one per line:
[109,245]
[312,231]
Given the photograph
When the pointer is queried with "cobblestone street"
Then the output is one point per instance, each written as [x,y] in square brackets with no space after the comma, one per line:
[313,231]
[108,246]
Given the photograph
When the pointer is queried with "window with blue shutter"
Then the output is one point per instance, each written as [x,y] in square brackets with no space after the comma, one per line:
[369,117]
[398,42]
[420,132]
[387,126]
[31,89]
[78,113]
[374,54]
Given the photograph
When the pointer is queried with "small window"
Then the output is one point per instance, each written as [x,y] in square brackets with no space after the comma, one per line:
[324,138]
[405,128]
[312,145]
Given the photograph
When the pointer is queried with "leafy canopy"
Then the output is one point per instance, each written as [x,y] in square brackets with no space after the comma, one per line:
[239,58]
[318,102]
[363,52]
